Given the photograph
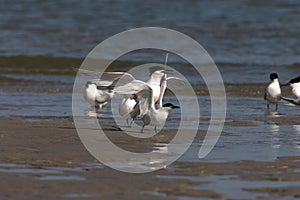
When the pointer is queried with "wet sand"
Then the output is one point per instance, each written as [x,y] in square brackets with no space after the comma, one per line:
[42,156]
[46,160]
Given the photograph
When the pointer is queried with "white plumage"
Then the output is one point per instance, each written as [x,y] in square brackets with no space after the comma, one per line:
[98,93]
[273,91]
[145,108]
[295,86]
[295,91]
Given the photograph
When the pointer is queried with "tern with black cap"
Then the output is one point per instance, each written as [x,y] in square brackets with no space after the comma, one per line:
[273,91]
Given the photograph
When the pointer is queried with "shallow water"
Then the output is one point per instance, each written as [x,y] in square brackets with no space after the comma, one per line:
[35,169]
[249,129]
[232,186]
[250,133]
[247,40]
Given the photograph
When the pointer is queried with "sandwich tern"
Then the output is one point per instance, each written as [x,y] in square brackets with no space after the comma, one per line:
[295,86]
[98,92]
[143,94]
[273,91]
[127,104]
[154,119]
[293,101]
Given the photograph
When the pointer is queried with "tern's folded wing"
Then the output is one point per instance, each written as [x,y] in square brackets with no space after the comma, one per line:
[293,101]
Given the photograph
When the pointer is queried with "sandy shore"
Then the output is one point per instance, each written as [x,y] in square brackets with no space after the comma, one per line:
[46,160]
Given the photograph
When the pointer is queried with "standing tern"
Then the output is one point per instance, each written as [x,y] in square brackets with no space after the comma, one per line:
[143,94]
[98,92]
[295,86]
[154,119]
[102,95]
[127,104]
[273,91]
[147,118]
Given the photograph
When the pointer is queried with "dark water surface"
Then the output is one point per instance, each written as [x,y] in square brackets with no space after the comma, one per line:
[239,32]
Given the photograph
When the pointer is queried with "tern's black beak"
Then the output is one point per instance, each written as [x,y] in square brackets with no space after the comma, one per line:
[170,105]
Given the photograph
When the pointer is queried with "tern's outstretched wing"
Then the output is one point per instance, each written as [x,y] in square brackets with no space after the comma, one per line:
[122,77]
[175,80]
[293,101]
[100,82]
[107,78]
[131,88]
[141,92]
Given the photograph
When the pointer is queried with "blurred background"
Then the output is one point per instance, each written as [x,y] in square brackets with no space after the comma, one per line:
[248,32]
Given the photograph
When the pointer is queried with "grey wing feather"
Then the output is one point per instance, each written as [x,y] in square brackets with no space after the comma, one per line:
[106,78]
[293,101]
[133,87]
[142,94]
[102,97]
[176,81]
[144,102]
[146,119]
[101,83]
[122,77]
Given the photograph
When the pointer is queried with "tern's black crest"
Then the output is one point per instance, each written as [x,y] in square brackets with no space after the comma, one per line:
[88,83]
[273,76]
[170,105]
[295,80]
